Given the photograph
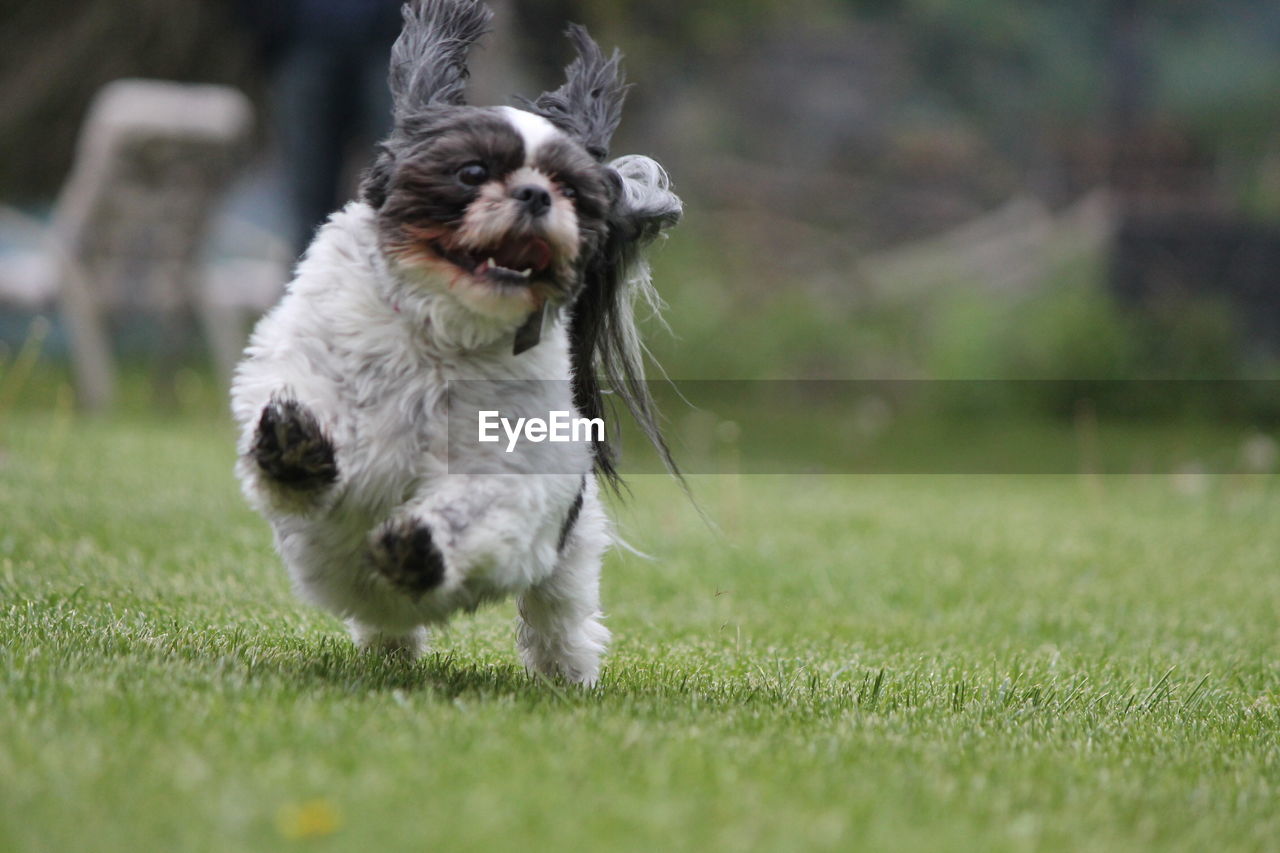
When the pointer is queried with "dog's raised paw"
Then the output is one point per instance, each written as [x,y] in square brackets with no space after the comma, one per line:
[405,554]
[291,448]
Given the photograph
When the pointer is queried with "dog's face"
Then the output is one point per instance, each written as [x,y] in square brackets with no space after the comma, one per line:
[496,205]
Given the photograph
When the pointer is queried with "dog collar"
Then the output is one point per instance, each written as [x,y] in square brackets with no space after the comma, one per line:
[528,335]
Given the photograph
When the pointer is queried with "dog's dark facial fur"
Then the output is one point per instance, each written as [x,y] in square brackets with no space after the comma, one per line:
[421,185]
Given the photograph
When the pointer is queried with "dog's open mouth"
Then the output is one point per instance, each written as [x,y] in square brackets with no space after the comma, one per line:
[514,261]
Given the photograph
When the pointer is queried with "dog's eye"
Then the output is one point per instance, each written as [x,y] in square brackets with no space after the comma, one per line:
[473,174]
[568,192]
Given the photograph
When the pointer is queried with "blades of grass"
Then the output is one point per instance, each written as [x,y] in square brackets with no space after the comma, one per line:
[1186,703]
[1152,694]
[1075,692]
[13,379]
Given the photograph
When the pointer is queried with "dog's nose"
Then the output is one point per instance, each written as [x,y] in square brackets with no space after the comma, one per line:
[535,199]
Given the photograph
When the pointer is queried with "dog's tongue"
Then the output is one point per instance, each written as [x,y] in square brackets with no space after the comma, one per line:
[532,254]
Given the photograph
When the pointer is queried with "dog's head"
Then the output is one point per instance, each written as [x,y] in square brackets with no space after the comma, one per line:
[518,214]
[503,207]
[509,210]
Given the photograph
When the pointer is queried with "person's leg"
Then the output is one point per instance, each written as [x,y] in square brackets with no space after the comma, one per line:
[307,107]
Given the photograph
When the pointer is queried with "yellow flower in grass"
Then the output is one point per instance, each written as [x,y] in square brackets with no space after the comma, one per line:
[310,819]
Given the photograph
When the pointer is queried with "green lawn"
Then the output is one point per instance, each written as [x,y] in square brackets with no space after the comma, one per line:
[852,663]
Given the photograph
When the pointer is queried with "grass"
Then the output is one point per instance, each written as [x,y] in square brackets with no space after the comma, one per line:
[951,663]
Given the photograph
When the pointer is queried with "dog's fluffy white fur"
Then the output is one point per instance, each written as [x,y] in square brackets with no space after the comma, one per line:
[368,352]
[343,396]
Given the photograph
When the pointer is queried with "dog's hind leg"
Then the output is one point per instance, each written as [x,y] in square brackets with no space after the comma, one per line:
[559,632]
[367,638]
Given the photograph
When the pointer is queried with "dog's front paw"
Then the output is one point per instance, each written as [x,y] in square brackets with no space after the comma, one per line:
[291,448]
[404,553]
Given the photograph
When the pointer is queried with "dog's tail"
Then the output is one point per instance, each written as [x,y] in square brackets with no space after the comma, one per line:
[429,59]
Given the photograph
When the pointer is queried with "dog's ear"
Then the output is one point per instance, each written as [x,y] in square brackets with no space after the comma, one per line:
[376,179]
[429,59]
[589,104]
[428,70]
[603,337]
[645,205]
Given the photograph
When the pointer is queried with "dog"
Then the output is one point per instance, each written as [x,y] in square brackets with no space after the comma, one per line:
[490,247]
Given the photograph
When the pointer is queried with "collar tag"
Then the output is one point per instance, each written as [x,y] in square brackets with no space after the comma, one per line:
[528,335]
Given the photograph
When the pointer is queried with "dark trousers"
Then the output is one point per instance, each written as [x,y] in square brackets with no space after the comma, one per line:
[331,106]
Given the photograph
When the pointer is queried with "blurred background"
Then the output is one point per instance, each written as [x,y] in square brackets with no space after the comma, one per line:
[1079,191]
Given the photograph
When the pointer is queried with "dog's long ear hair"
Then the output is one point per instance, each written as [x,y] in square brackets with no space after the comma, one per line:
[605,342]
[602,330]
[429,59]
[428,69]
[589,104]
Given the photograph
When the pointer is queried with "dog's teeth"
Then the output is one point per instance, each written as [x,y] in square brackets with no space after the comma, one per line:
[526,272]
[484,266]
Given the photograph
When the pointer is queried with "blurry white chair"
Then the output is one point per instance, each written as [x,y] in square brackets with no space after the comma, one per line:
[152,160]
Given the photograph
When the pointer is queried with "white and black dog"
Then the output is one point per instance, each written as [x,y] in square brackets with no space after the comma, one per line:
[489,243]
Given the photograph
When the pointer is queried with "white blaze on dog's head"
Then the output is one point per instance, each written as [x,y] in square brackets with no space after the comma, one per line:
[534,129]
